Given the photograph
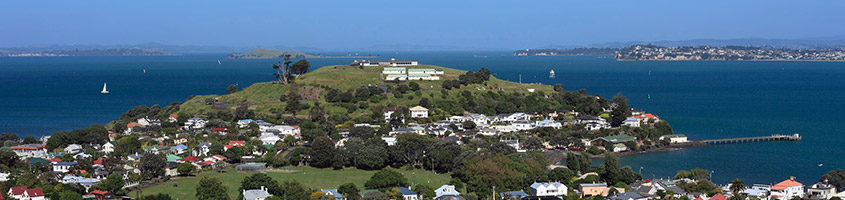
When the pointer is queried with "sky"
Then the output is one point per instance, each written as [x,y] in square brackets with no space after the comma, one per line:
[365,23]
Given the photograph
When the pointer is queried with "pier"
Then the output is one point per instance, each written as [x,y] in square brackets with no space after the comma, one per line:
[775,137]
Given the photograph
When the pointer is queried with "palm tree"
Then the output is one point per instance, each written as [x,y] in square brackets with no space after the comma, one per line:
[737,186]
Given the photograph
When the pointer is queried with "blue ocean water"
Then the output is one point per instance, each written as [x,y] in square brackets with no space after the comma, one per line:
[704,100]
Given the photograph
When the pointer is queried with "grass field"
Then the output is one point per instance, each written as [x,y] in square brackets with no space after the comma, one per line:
[310,177]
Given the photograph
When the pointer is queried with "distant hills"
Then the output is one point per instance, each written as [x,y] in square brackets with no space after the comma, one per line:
[808,43]
[262,53]
[89,52]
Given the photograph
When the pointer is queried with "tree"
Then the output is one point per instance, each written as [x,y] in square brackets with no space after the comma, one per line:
[185,169]
[620,111]
[363,132]
[323,152]
[152,166]
[259,180]
[469,125]
[211,188]
[300,67]
[835,177]
[232,89]
[158,196]
[317,113]
[30,140]
[282,70]
[8,158]
[386,178]
[424,102]
[293,104]
[9,136]
[533,144]
[70,195]
[737,186]
[558,87]
[349,190]
[375,195]
[412,146]
[440,155]
[292,189]
[414,86]
[561,174]
[114,184]
[234,154]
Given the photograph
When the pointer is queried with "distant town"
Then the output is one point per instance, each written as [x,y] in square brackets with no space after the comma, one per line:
[684,53]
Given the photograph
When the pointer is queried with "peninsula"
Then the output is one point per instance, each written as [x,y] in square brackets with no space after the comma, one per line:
[262,53]
[653,52]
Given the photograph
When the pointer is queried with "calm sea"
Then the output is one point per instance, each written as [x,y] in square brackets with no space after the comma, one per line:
[704,100]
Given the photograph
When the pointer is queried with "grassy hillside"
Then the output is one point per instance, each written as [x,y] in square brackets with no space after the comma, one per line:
[262,97]
[310,177]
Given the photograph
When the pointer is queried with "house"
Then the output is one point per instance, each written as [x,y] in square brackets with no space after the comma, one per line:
[171,169]
[23,193]
[419,112]
[718,196]
[418,76]
[787,189]
[180,140]
[479,120]
[511,117]
[489,132]
[257,194]
[334,193]
[203,149]
[616,139]
[393,70]
[100,195]
[244,123]
[149,121]
[396,77]
[548,123]
[108,147]
[586,119]
[627,196]
[458,119]
[195,123]
[505,128]
[408,194]
[269,139]
[134,157]
[179,149]
[189,159]
[73,148]
[63,167]
[85,182]
[619,147]
[173,118]
[392,62]
[133,127]
[548,189]
[445,190]
[513,195]
[821,190]
[425,71]
[675,138]
[4,177]
[234,143]
[389,111]
[632,122]
[389,140]
[596,189]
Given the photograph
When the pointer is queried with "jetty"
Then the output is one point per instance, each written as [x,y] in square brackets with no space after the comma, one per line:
[774,137]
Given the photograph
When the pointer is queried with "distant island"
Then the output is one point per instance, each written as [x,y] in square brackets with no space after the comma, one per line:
[566,52]
[262,53]
[88,52]
[653,52]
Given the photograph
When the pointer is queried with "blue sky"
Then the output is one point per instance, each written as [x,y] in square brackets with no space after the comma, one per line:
[356,24]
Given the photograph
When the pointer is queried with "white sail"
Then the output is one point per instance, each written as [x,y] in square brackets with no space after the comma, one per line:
[218,62]
[105,90]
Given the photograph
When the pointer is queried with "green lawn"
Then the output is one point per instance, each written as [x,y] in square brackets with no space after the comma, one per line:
[310,177]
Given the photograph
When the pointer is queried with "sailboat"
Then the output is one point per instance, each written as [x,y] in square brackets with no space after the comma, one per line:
[145,71]
[105,91]
[218,62]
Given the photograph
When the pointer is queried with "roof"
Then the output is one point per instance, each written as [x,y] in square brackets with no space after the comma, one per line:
[134,124]
[396,76]
[625,196]
[395,69]
[18,190]
[419,70]
[333,192]
[546,184]
[594,185]
[419,75]
[28,146]
[255,194]
[419,108]
[785,184]
[718,196]
[619,138]
[34,192]
[406,191]
[173,158]
[675,136]
[190,159]
[100,192]
[65,163]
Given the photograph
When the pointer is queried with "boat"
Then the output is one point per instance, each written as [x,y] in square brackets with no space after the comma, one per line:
[218,62]
[821,164]
[145,71]
[105,91]
[552,74]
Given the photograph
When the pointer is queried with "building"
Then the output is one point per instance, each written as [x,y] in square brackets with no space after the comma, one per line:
[548,123]
[787,189]
[23,193]
[334,193]
[446,190]
[425,71]
[244,123]
[718,196]
[393,70]
[85,182]
[548,189]
[821,190]
[594,189]
[149,121]
[392,62]
[133,127]
[632,122]
[627,196]
[258,194]
[73,148]
[408,194]
[171,169]
[108,147]
[195,123]
[675,138]
[396,77]
[419,112]
[523,125]
[63,167]
[479,120]
[489,132]
[173,118]
[616,139]
[428,77]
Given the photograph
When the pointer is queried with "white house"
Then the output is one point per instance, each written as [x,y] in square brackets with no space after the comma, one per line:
[85,182]
[425,71]
[429,77]
[269,139]
[632,122]
[408,194]
[675,138]
[392,77]
[393,70]
[479,120]
[419,112]
[821,190]
[505,128]
[458,119]
[173,118]
[511,117]
[30,151]
[548,123]
[259,194]
[108,147]
[489,132]
[63,167]
[446,190]
[787,189]
[149,121]
[195,123]
[73,148]
[244,123]
[522,125]
[548,189]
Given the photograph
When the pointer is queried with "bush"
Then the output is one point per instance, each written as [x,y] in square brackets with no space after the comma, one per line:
[595,150]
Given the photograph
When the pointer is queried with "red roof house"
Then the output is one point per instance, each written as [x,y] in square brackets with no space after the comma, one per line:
[718,196]
[190,159]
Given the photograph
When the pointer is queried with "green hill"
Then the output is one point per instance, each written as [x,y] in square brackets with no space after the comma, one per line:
[263,53]
[312,86]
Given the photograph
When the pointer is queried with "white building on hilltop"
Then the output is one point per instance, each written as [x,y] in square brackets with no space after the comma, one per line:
[419,112]
[548,189]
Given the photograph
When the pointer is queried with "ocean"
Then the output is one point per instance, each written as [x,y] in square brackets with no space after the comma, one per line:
[702,99]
